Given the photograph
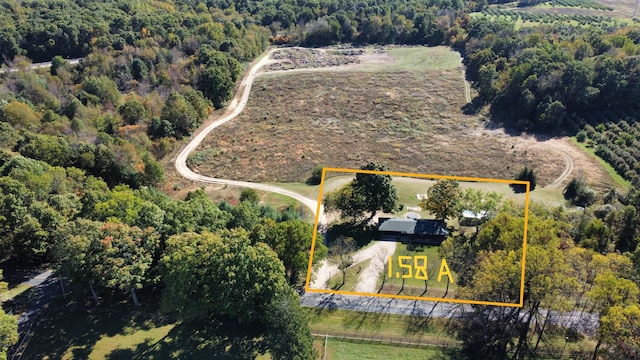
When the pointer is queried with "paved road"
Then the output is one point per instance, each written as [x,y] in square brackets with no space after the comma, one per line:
[47,287]
[586,323]
[42,65]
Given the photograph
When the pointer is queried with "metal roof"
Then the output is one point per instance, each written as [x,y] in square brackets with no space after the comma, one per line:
[410,226]
[405,226]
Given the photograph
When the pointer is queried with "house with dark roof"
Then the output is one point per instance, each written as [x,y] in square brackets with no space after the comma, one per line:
[413,231]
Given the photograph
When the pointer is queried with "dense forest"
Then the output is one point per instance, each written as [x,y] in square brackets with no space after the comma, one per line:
[82,147]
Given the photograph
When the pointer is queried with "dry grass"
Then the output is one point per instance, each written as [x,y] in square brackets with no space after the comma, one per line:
[620,7]
[400,107]
[409,120]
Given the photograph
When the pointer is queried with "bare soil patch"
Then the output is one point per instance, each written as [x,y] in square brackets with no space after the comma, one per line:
[305,58]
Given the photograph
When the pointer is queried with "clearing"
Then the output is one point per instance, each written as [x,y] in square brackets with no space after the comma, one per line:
[398,106]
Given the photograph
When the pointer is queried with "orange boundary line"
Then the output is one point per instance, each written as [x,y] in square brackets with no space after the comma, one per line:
[427,176]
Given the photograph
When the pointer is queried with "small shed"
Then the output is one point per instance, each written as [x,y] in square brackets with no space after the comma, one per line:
[470,218]
[413,231]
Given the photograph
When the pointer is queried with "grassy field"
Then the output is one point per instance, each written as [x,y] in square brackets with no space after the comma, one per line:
[391,335]
[351,278]
[408,187]
[380,326]
[14,291]
[405,114]
[416,59]
[121,332]
[414,286]
[339,349]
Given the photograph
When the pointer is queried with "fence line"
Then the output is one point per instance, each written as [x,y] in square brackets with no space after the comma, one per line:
[390,340]
[419,342]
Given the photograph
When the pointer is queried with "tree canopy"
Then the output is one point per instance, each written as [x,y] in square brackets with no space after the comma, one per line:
[366,194]
[443,199]
[223,275]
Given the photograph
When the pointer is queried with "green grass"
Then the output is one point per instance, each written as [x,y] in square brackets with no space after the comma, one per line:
[379,325]
[386,332]
[415,59]
[15,291]
[343,349]
[413,286]
[625,184]
[423,58]
[310,191]
[129,339]
[351,278]
[404,59]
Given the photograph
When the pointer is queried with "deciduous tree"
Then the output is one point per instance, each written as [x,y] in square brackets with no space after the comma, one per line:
[443,199]
[367,193]
[178,112]
[220,274]
[106,254]
[620,332]
[525,175]
[216,85]
[291,240]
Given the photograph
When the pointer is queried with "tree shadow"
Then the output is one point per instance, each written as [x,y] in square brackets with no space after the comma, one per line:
[73,330]
[362,233]
[201,340]
[72,324]
[72,327]
[375,312]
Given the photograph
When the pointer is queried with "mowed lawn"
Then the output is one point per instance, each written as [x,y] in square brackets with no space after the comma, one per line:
[415,284]
[346,350]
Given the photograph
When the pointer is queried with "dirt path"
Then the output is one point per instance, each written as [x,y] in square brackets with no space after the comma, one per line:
[467,90]
[557,183]
[578,163]
[323,273]
[368,279]
[377,252]
[235,107]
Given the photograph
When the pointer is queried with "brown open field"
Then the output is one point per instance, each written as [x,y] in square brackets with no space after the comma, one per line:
[409,120]
[623,8]
[398,106]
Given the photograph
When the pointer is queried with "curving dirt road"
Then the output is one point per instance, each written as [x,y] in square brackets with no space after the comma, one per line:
[236,106]
[326,270]
[568,169]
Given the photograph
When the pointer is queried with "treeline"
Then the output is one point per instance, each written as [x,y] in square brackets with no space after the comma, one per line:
[323,22]
[39,199]
[44,29]
[149,76]
[547,78]
[584,263]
